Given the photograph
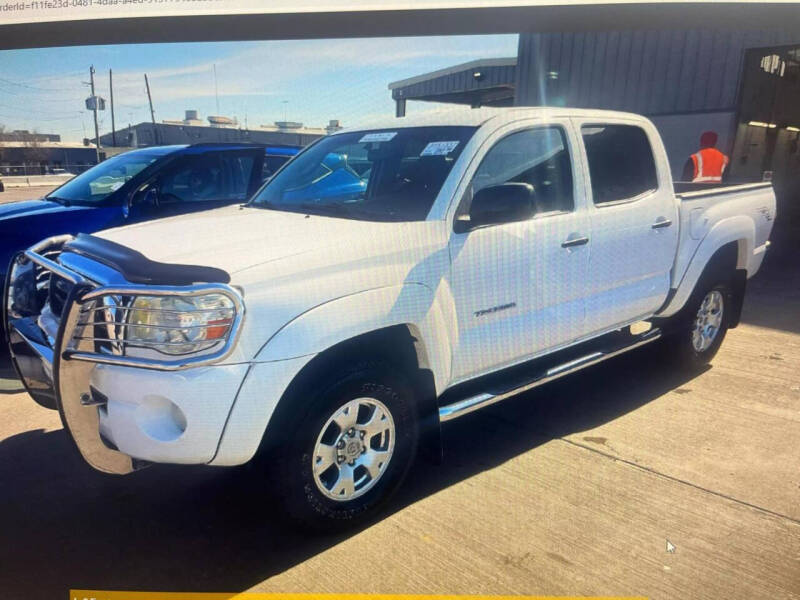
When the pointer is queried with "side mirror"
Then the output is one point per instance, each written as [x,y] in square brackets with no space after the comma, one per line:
[335,160]
[504,203]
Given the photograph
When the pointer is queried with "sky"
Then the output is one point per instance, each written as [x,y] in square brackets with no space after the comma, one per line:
[311,81]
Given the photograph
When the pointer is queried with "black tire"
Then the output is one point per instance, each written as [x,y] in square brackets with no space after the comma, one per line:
[290,466]
[680,331]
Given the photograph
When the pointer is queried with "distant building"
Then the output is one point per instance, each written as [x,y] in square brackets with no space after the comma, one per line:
[42,157]
[482,82]
[333,126]
[23,136]
[192,130]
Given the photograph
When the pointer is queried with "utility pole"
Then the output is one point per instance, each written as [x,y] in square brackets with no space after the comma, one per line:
[111,90]
[216,89]
[152,113]
[94,112]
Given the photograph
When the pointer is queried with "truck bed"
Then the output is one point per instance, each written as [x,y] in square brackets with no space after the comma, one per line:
[703,208]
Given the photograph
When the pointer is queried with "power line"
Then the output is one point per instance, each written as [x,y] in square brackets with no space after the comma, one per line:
[28,111]
[30,97]
[38,119]
[38,89]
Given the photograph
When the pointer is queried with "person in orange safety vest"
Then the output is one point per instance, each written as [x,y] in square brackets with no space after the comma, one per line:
[708,164]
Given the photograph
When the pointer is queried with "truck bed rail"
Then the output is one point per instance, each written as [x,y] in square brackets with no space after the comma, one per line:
[693,191]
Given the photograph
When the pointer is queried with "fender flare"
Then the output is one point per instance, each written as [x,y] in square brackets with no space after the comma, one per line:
[412,305]
[740,230]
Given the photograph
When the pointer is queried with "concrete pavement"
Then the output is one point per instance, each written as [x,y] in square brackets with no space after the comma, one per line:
[573,489]
[14,194]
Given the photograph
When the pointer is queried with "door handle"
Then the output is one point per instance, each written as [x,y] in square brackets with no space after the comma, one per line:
[661,223]
[578,241]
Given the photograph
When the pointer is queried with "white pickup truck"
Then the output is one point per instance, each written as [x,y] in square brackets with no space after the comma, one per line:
[384,281]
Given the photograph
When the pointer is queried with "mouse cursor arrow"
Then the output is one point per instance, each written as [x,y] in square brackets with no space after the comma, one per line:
[670,547]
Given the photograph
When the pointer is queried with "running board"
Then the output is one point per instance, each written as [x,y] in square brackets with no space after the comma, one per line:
[453,410]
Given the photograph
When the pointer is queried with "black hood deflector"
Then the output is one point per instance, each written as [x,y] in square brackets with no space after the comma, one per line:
[137,268]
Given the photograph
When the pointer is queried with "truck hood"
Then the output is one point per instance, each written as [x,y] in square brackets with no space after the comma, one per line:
[235,239]
[288,263]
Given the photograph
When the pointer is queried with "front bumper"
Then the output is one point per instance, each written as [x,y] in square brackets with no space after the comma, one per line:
[116,408]
[165,417]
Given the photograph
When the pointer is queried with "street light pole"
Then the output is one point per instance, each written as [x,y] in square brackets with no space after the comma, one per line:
[152,112]
[111,91]
[94,112]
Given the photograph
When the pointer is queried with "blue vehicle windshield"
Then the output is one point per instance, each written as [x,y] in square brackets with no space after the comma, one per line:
[386,175]
[99,182]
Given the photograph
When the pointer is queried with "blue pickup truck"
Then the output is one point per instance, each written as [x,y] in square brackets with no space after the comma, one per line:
[143,184]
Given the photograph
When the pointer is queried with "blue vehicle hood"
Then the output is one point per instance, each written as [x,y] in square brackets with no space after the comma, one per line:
[25,223]
[33,207]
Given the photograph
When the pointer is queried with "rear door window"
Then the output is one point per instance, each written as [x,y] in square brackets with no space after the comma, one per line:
[621,163]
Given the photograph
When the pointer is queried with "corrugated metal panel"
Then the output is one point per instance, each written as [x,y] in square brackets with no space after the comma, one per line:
[648,72]
[458,82]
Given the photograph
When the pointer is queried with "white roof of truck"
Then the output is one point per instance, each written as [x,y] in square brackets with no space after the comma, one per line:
[475,117]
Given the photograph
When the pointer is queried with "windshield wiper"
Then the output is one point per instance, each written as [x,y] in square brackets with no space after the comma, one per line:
[336,210]
[262,204]
[57,200]
[312,208]
[309,208]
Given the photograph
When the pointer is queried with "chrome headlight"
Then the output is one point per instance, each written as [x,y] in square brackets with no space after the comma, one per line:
[179,324]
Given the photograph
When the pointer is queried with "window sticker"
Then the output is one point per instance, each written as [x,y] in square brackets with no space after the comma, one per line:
[379,136]
[439,148]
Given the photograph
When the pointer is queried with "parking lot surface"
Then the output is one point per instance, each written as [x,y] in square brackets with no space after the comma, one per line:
[573,489]
[14,194]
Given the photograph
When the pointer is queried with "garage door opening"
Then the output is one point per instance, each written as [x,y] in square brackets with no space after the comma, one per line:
[767,142]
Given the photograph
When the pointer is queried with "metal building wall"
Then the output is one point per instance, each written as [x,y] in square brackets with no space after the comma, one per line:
[654,72]
[458,82]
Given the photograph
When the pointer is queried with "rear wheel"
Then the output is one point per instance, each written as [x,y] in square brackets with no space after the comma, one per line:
[348,449]
[697,332]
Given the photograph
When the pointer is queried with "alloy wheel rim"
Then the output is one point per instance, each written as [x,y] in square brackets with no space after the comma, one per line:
[708,321]
[353,449]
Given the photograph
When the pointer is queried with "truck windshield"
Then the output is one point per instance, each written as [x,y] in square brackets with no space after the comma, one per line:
[381,175]
[99,182]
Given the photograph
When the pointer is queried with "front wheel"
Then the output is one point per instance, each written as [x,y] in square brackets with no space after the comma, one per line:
[698,331]
[348,449]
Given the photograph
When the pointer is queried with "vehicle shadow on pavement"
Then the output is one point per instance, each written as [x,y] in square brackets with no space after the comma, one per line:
[203,529]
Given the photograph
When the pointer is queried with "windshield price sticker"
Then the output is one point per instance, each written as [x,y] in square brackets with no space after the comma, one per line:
[439,148]
[381,136]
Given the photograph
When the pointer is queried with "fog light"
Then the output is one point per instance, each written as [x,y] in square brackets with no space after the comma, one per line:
[160,418]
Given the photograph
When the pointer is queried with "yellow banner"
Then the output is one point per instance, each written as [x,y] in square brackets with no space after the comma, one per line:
[118,595]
